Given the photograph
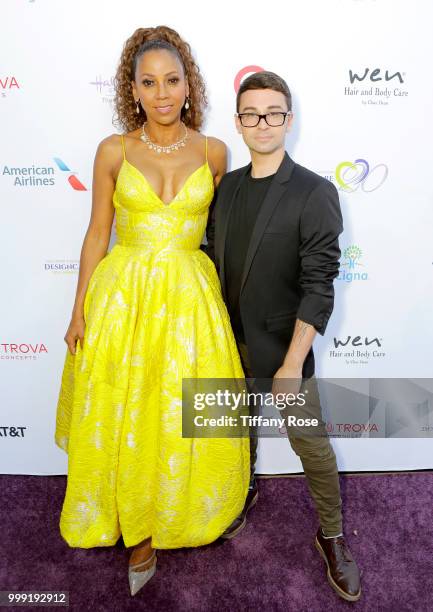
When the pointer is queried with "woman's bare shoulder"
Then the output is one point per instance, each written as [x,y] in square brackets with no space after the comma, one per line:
[216,144]
[110,144]
[109,153]
[217,154]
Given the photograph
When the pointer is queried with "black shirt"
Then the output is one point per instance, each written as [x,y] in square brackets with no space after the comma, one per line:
[241,224]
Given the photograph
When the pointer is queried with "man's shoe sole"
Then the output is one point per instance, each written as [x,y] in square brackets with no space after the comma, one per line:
[331,581]
[244,522]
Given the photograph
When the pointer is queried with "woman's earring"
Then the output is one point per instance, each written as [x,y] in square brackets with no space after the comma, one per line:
[137,106]
[187,104]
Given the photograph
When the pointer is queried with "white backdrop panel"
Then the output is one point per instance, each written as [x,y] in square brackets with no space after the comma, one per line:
[57,63]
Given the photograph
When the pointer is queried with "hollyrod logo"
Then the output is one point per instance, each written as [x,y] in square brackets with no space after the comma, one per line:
[22,351]
[41,176]
[349,268]
[377,94]
[246,70]
[8,83]
[104,87]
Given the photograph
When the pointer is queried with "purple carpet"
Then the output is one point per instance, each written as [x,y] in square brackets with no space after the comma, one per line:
[271,565]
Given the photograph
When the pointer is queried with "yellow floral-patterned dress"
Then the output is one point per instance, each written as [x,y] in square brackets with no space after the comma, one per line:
[154,314]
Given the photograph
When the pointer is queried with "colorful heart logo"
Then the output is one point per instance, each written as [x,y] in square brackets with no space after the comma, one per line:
[351,173]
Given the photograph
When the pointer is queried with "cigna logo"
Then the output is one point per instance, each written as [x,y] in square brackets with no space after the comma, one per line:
[22,350]
[351,176]
[374,75]
[8,83]
[351,266]
[246,70]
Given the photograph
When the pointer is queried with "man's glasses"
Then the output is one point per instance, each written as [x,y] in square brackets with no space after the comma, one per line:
[272,119]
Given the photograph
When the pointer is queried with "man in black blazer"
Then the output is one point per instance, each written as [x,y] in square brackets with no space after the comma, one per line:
[273,235]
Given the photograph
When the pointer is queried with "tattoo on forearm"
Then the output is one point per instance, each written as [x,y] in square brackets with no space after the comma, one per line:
[302,330]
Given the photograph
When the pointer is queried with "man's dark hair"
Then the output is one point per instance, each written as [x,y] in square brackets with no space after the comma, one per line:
[265,80]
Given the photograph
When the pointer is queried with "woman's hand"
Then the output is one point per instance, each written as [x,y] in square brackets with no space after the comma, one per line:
[75,332]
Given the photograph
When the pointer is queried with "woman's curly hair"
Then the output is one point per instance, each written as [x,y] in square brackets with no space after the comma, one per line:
[144,39]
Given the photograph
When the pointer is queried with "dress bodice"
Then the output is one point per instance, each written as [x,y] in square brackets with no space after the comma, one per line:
[143,220]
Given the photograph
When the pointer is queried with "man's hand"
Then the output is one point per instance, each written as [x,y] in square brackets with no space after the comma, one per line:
[287,380]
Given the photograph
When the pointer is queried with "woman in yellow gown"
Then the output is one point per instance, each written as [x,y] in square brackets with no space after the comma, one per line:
[147,314]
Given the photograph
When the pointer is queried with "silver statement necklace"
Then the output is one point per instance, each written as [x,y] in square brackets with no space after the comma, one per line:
[160,148]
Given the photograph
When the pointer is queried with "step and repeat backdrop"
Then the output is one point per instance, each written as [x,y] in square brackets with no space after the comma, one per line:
[363,99]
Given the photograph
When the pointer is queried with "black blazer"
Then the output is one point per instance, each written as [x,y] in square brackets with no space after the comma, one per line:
[292,260]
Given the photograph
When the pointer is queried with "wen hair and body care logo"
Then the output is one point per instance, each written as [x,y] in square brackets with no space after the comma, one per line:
[357,350]
[375,86]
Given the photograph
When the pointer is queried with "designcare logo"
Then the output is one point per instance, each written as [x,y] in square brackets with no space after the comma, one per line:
[62,266]
[105,88]
[8,83]
[351,266]
[350,176]
[41,176]
[23,351]
[376,86]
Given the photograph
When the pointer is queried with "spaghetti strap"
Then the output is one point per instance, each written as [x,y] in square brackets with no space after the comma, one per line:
[123,146]
[206,147]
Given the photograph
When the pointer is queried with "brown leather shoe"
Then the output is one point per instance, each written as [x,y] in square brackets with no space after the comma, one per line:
[240,522]
[343,573]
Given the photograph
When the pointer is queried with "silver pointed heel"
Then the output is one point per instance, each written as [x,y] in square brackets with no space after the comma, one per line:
[137,579]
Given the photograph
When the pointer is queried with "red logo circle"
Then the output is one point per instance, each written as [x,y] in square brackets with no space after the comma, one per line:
[240,75]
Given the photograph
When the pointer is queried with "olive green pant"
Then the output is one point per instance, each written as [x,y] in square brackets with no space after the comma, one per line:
[315,452]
